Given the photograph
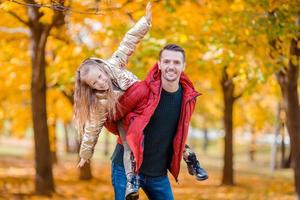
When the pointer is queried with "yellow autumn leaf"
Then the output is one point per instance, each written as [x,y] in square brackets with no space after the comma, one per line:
[7,6]
[238,5]
[47,17]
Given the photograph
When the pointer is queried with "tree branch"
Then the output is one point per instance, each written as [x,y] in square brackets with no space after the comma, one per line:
[18,18]
[61,8]
[238,96]
[68,96]
[58,18]
[60,38]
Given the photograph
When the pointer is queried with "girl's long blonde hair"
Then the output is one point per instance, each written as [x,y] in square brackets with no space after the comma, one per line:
[85,99]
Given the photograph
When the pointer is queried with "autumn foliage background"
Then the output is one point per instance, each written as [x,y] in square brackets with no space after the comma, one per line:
[242,55]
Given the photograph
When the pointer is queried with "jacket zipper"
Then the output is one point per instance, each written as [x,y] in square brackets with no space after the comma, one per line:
[188,101]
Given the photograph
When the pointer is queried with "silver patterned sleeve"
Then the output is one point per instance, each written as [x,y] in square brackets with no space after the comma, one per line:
[128,44]
[92,130]
[120,76]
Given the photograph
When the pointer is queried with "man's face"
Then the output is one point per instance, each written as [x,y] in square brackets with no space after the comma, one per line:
[171,65]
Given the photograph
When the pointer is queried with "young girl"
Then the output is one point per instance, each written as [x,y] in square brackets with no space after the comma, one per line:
[99,84]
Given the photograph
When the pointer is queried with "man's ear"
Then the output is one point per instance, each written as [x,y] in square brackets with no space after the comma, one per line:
[183,66]
[158,63]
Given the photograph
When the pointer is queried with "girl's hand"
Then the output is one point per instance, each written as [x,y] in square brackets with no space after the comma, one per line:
[148,13]
[82,162]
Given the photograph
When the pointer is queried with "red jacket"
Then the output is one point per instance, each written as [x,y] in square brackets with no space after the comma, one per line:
[138,105]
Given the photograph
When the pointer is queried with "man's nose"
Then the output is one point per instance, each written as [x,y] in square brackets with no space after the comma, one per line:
[171,66]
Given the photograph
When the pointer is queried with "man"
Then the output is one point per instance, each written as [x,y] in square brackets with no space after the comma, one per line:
[157,114]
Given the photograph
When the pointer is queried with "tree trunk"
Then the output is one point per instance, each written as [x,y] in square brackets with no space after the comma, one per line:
[53,140]
[39,33]
[252,149]
[288,81]
[74,141]
[288,162]
[44,179]
[206,140]
[282,147]
[85,172]
[67,142]
[228,98]
[106,143]
[275,143]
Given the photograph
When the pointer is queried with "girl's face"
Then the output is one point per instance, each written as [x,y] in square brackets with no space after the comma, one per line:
[97,79]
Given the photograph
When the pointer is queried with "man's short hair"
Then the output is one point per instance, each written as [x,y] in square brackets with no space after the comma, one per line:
[173,47]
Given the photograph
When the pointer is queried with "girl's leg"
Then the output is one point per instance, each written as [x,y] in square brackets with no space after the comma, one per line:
[193,164]
[132,185]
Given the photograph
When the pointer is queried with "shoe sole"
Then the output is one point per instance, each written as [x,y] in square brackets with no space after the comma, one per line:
[132,196]
[201,179]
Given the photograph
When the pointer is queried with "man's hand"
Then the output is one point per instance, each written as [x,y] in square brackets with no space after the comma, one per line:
[82,162]
[148,13]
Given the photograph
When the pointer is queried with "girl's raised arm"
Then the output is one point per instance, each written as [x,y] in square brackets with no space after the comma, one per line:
[131,39]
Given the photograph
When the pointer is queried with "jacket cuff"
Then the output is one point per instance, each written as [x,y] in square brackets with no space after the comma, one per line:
[85,155]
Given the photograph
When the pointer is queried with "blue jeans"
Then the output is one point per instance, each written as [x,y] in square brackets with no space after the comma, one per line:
[156,188]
